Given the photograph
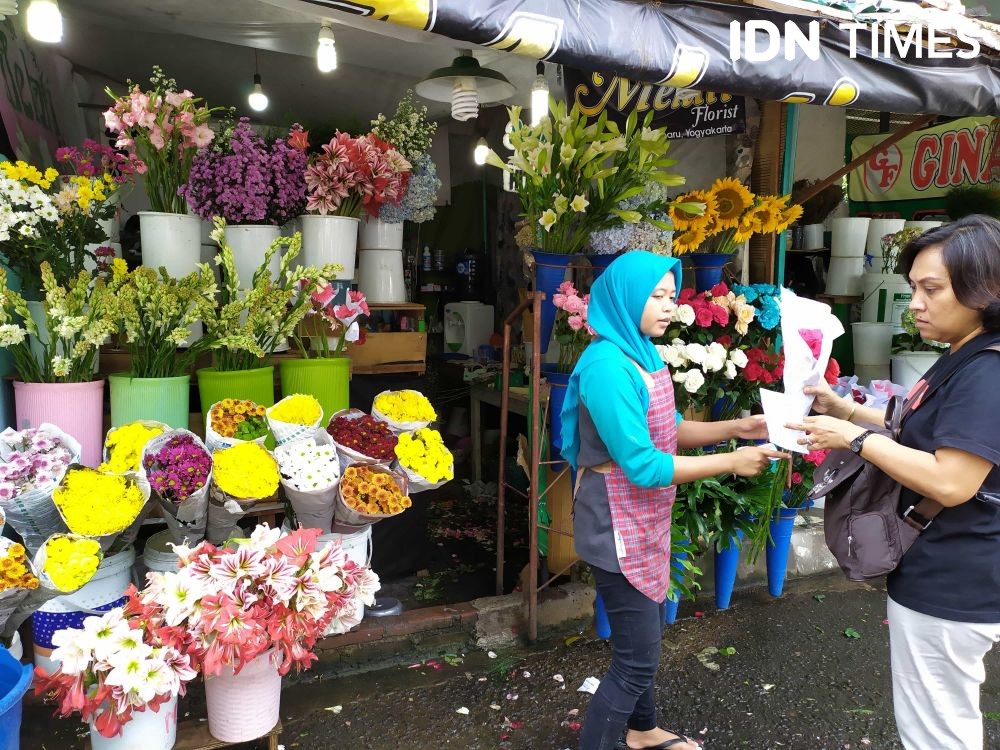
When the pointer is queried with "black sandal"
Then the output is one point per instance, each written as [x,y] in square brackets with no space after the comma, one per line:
[665,745]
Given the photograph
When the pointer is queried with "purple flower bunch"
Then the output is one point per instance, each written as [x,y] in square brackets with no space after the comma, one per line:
[38,459]
[246,181]
[179,469]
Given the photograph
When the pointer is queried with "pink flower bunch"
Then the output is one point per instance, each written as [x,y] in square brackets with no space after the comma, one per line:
[95,159]
[343,318]
[356,175]
[118,663]
[572,330]
[164,128]
[229,606]
[38,460]
[179,469]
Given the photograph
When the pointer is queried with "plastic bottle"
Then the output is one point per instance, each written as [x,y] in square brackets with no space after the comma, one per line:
[427,258]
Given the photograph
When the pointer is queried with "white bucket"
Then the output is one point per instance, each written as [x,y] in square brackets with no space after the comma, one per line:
[105,591]
[909,367]
[845,276]
[158,555]
[872,343]
[170,240]
[380,235]
[877,229]
[887,296]
[329,239]
[849,236]
[90,264]
[812,237]
[923,226]
[867,373]
[357,546]
[250,244]
[380,276]
[111,227]
[148,730]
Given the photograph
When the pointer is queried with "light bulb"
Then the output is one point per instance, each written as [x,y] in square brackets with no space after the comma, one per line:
[539,96]
[464,99]
[481,152]
[45,21]
[257,98]
[326,50]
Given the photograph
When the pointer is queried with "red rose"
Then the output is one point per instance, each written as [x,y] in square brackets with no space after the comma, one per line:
[720,289]
[796,477]
[752,372]
[703,316]
[686,295]
[832,372]
[720,314]
[726,341]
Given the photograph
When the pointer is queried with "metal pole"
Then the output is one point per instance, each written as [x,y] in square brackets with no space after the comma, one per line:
[536,449]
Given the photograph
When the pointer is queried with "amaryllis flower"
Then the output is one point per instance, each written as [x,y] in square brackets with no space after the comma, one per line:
[298,545]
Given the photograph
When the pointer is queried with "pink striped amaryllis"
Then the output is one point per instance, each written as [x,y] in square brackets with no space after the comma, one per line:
[353,176]
[118,663]
[227,606]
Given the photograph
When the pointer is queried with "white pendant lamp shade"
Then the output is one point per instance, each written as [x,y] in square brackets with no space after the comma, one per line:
[326,50]
[44,21]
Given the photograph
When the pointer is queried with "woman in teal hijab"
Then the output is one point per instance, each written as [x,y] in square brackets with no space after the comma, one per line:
[621,431]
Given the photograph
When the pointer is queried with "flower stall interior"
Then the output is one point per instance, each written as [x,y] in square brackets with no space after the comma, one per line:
[272,269]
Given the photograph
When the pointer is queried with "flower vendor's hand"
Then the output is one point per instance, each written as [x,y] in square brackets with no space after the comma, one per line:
[825,433]
[827,402]
[751,428]
[749,462]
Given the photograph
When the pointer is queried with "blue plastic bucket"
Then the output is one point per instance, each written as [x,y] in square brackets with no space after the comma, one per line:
[778,548]
[726,563]
[15,679]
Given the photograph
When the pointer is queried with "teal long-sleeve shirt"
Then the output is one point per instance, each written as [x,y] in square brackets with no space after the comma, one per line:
[617,399]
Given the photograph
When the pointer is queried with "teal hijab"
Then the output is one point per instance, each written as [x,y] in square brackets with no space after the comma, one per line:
[617,300]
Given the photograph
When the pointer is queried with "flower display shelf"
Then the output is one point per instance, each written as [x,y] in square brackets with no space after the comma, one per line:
[193,735]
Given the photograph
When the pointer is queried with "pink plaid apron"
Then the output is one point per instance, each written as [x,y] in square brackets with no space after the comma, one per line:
[641,515]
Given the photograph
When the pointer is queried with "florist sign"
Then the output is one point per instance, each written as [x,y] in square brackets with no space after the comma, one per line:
[927,163]
[681,113]
[26,104]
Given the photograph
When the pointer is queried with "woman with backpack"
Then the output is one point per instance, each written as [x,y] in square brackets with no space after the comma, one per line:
[622,432]
[944,596]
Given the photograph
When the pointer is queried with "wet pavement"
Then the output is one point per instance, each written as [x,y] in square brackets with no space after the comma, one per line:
[807,672]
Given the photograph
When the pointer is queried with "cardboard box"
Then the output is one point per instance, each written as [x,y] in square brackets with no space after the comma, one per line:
[408,347]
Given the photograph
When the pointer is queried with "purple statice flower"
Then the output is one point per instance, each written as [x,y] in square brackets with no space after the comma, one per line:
[246,181]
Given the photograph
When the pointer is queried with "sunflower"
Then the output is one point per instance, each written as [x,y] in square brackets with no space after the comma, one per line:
[774,206]
[688,241]
[790,215]
[732,198]
[683,220]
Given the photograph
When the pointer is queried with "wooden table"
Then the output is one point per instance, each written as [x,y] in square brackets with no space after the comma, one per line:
[194,735]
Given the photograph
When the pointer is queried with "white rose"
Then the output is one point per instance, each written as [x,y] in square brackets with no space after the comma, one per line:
[738,357]
[715,349]
[672,355]
[684,314]
[695,352]
[713,363]
[730,370]
[680,377]
[694,381]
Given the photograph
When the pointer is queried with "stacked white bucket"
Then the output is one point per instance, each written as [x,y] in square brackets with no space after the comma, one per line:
[886,296]
[847,261]
[380,262]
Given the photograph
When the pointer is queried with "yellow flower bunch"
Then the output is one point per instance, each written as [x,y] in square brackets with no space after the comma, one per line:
[15,571]
[246,471]
[96,504]
[732,215]
[405,406]
[423,452]
[298,408]
[373,492]
[21,170]
[71,561]
[243,420]
[124,446]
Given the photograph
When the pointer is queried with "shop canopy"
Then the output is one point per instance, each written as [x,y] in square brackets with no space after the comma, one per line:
[688,45]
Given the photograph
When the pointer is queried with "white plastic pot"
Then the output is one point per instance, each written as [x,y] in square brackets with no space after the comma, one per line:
[250,244]
[909,367]
[380,276]
[170,240]
[148,730]
[845,276]
[329,239]
[380,235]
[812,237]
[872,343]
[850,235]
[887,295]
[877,229]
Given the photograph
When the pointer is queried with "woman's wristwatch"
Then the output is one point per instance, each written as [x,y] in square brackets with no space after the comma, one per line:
[859,441]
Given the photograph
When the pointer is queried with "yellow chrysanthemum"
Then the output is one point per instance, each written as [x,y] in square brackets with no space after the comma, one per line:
[688,241]
[732,198]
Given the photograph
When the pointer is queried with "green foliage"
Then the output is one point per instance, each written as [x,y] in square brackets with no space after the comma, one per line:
[972,199]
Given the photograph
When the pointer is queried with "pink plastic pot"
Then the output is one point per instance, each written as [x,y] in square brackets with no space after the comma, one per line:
[245,706]
[76,408]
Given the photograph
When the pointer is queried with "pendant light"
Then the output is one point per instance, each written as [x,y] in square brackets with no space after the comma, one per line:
[539,95]
[257,99]
[466,84]
[44,21]
[326,50]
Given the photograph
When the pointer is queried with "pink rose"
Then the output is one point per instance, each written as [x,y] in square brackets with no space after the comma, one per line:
[559,300]
[720,315]
[567,288]
[720,290]
[575,322]
[703,316]
[813,338]
[574,305]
